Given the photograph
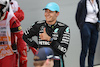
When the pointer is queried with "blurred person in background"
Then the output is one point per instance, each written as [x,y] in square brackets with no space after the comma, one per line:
[9,28]
[87,16]
[18,12]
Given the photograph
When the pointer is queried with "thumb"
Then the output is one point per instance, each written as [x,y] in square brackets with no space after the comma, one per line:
[44,30]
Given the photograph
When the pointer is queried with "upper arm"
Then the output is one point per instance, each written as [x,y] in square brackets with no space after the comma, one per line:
[32,31]
[15,25]
[61,44]
[78,11]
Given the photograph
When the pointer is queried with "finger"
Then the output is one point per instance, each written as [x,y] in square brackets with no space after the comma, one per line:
[40,35]
[44,30]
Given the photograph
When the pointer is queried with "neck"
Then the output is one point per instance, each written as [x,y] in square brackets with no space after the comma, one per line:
[51,23]
[92,1]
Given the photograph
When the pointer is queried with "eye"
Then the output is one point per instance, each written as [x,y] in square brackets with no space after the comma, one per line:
[45,10]
[51,11]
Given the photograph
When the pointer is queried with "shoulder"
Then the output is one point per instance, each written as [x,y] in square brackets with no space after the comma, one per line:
[12,19]
[82,2]
[11,15]
[63,27]
[40,22]
[14,22]
[97,1]
[62,24]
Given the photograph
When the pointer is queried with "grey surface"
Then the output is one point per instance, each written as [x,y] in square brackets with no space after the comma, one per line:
[33,12]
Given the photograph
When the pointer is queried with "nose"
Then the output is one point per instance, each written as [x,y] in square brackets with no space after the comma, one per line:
[47,13]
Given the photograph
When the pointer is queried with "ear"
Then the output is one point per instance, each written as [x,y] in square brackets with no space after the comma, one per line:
[57,13]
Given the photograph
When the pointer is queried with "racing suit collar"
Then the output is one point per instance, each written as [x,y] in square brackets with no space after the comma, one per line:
[52,26]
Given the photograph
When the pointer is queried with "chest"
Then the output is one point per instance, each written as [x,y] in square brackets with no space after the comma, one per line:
[92,7]
[52,32]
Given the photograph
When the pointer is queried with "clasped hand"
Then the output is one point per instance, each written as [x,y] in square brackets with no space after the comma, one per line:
[44,35]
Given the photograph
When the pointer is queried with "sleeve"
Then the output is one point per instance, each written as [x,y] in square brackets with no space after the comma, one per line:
[29,33]
[19,14]
[15,25]
[98,14]
[21,45]
[78,13]
[61,44]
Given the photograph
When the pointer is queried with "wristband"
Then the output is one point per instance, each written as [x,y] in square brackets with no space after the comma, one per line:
[51,39]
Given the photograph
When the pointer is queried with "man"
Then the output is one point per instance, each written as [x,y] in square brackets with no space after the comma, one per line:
[51,33]
[9,27]
[44,57]
[20,16]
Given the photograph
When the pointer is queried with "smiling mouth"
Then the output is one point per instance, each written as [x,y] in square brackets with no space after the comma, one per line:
[47,17]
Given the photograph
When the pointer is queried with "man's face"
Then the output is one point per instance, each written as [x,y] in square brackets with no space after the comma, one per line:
[50,16]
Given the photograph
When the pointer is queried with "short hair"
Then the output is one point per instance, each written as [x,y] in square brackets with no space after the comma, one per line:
[38,63]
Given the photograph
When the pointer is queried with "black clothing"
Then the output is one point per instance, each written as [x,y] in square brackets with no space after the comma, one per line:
[89,33]
[82,12]
[59,32]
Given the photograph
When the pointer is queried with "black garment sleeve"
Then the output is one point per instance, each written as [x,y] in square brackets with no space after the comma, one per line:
[16,28]
[29,33]
[61,44]
[78,13]
[98,14]
[29,41]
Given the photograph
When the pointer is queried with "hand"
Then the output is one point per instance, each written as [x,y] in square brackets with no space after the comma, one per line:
[33,49]
[44,35]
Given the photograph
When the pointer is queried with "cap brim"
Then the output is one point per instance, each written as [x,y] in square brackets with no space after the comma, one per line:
[56,58]
[49,9]
[53,57]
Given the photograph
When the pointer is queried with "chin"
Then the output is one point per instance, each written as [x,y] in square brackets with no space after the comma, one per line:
[48,20]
